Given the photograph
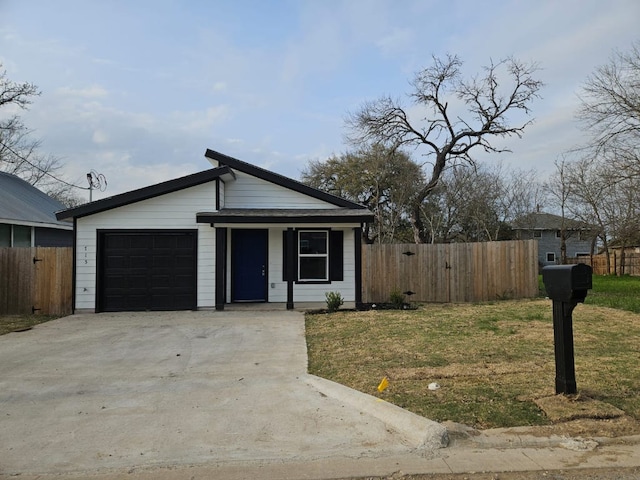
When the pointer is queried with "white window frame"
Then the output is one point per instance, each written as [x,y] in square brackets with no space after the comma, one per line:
[554,256]
[313,255]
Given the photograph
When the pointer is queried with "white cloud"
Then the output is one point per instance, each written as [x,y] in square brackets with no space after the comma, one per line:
[219,86]
[200,121]
[100,137]
[396,42]
[93,91]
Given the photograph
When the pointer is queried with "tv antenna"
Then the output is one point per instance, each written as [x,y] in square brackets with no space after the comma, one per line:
[96,180]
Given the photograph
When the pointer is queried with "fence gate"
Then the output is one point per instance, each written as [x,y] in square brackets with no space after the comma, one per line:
[36,280]
[456,272]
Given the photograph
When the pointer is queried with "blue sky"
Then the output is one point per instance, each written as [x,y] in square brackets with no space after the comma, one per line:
[138,90]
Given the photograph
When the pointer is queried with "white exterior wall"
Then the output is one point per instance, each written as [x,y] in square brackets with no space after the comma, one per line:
[277,288]
[222,188]
[175,210]
[247,191]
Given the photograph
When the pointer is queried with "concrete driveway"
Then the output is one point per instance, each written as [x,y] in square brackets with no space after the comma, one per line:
[116,392]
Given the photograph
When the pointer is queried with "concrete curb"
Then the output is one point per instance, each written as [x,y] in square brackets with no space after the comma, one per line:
[521,437]
[423,434]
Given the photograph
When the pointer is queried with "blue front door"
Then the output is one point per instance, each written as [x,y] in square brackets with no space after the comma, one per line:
[249,265]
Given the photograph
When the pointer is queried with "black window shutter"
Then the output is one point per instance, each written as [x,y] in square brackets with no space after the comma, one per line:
[285,257]
[336,255]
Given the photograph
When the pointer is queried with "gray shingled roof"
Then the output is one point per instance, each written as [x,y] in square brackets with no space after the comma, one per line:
[22,203]
[548,221]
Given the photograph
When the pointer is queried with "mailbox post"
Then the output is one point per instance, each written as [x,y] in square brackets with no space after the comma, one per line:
[566,286]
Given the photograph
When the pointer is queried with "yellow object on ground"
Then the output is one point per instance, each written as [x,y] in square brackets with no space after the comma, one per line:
[383,384]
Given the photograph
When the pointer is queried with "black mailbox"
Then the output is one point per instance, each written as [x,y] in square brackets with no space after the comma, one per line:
[567,283]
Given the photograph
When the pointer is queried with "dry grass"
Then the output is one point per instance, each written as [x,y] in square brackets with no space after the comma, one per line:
[493,361]
[17,323]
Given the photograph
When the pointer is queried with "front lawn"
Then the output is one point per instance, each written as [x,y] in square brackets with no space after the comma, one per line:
[492,361]
[615,292]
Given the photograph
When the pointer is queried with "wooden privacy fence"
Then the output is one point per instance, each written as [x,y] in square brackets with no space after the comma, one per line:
[627,264]
[455,272]
[36,280]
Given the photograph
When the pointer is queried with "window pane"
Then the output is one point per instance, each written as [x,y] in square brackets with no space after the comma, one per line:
[5,235]
[21,236]
[313,268]
[551,257]
[313,243]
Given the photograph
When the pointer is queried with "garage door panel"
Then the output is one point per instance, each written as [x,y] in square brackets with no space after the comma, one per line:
[138,261]
[163,261]
[141,242]
[147,271]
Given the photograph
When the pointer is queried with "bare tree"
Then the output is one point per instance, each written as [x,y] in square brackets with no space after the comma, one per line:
[19,151]
[446,137]
[522,193]
[13,93]
[559,189]
[589,182]
[611,102]
[607,177]
[478,204]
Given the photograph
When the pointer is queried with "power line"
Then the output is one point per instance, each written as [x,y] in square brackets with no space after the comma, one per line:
[24,159]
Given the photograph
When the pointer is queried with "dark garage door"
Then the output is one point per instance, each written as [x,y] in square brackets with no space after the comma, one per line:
[147,270]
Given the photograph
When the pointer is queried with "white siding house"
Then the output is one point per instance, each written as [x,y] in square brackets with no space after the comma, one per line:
[234,233]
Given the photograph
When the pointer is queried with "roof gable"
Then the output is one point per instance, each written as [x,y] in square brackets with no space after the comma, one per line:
[22,202]
[226,166]
[279,180]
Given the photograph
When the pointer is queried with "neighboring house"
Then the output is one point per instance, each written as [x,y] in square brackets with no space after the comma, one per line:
[27,216]
[631,245]
[234,233]
[546,227]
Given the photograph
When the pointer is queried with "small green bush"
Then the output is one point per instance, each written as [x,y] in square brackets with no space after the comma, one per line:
[334,301]
[396,298]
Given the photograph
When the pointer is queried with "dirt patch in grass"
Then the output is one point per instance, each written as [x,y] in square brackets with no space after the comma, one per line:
[494,363]
[563,408]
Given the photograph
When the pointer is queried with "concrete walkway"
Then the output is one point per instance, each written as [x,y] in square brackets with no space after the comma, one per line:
[199,395]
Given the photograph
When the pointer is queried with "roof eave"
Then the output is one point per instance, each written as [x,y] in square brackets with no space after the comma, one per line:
[292,219]
[146,193]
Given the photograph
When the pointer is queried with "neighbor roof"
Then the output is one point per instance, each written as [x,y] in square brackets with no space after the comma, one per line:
[23,204]
[548,221]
